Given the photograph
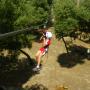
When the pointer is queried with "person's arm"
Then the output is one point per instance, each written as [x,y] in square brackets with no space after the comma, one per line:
[44,42]
[43,36]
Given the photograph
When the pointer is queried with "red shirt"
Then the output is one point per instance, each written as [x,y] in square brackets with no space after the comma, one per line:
[43,49]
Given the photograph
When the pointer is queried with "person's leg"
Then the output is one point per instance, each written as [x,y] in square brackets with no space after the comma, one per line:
[37,55]
[38,59]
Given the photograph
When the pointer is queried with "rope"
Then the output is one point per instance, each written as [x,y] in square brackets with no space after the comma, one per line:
[13,33]
[2,36]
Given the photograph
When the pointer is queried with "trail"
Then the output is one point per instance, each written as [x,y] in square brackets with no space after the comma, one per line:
[53,74]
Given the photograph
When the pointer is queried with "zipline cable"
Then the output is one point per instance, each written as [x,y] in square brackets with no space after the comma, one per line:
[13,33]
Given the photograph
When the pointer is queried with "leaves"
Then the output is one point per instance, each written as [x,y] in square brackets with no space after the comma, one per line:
[19,14]
[69,18]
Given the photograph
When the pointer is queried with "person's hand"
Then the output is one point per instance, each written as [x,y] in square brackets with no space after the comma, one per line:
[43,36]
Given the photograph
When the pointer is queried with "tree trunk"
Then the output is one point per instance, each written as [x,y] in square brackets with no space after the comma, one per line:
[78,3]
[29,58]
[65,45]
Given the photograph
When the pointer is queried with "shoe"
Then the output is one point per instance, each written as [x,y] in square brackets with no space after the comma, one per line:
[36,69]
[40,65]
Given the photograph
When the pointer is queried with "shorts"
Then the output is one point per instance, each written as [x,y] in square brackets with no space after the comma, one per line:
[42,50]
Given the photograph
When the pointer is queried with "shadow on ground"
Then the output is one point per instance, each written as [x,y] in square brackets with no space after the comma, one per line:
[14,72]
[77,55]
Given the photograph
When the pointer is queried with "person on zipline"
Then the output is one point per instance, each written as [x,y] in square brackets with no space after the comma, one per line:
[44,49]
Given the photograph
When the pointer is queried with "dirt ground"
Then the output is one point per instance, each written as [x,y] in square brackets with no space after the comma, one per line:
[70,71]
[74,75]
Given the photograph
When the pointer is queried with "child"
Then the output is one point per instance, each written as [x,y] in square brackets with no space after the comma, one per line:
[46,42]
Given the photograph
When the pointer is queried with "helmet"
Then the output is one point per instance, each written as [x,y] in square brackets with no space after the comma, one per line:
[48,34]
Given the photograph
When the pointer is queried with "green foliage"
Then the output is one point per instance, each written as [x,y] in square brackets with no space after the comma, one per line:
[50,2]
[83,16]
[19,14]
[66,27]
[86,3]
[65,22]
[7,16]
[69,17]
[30,15]
[22,13]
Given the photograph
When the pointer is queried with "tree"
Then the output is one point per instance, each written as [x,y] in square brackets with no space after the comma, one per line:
[65,22]
[69,18]
[19,14]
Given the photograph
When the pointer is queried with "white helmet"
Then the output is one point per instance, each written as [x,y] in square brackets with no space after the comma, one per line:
[48,34]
